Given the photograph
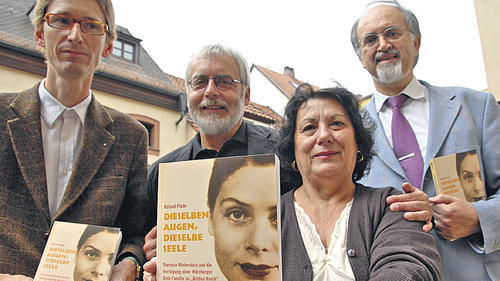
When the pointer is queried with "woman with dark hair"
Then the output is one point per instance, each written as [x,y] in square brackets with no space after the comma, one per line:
[95,252]
[469,173]
[243,217]
[334,228]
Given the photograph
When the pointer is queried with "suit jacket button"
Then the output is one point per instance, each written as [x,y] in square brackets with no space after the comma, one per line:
[351,253]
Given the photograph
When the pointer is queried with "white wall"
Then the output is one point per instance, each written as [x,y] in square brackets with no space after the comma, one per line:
[263,92]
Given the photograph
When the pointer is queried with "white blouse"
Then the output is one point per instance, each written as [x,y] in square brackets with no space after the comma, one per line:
[331,265]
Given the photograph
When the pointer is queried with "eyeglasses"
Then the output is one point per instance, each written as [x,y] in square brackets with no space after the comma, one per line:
[390,34]
[222,82]
[66,22]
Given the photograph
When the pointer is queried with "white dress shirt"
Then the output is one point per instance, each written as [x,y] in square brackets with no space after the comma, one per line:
[331,265]
[415,110]
[62,130]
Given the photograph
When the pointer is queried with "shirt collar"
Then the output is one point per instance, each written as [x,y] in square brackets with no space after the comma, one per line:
[240,136]
[51,108]
[414,90]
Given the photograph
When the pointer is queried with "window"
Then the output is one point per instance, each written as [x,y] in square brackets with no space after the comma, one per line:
[153,128]
[124,50]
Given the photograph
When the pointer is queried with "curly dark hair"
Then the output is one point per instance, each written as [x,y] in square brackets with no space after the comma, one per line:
[362,124]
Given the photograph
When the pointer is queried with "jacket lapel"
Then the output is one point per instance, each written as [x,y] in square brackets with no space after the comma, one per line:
[443,111]
[96,143]
[382,147]
[26,137]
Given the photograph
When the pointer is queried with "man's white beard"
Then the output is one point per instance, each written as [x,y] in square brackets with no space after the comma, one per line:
[390,72]
[213,124]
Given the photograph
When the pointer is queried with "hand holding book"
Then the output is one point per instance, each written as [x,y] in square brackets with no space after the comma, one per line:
[80,252]
[458,181]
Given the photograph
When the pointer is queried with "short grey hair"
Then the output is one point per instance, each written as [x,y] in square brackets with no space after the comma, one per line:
[217,50]
[409,18]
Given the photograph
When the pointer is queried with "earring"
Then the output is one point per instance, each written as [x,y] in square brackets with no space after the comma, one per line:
[294,166]
[362,157]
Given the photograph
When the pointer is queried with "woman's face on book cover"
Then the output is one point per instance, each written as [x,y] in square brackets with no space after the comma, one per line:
[244,225]
[93,259]
[470,178]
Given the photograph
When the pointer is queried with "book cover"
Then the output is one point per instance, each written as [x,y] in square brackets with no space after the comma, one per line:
[219,219]
[460,175]
[79,252]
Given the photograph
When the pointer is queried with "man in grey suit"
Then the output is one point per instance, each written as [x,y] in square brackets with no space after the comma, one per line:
[63,155]
[442,121]
[218,88]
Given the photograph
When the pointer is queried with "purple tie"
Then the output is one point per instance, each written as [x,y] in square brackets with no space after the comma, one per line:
[405,143]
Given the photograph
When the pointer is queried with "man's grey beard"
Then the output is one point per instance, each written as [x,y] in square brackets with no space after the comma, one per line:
[390,72]
[213,124]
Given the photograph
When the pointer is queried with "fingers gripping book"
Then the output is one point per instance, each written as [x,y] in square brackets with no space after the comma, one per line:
[218,219]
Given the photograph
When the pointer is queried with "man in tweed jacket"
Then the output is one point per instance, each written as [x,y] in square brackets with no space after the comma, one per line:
[63,155]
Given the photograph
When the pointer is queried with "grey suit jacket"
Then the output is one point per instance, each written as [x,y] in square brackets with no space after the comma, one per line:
[107,187]
[460,119]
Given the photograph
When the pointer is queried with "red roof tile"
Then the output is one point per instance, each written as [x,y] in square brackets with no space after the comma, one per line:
[283,82]
[263,114]
[179,82]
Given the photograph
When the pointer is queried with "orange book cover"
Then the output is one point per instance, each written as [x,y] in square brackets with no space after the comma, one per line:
[459,175]
[219,219]
[79,252]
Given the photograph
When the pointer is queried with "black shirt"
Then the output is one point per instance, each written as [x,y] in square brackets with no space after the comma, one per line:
[249,139]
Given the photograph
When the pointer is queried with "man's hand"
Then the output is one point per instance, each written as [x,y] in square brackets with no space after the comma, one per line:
[150,244]
[415,203]
[150,270]
[125,270]
[455,218]
[8,277]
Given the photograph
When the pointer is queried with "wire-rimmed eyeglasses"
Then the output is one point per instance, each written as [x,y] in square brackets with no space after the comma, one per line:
[390,34]
[222,82]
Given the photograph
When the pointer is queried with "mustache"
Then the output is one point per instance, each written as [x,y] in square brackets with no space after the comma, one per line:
[207,103]
[379,54]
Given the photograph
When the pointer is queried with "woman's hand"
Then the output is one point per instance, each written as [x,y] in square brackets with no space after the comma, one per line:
[415,203]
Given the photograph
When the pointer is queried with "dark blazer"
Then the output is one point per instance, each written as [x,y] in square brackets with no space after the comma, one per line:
[107,187]
[381,244]
[253,139]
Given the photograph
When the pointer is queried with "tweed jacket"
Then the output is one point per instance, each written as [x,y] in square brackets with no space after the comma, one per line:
[381,244]
[107,187]
[460,119]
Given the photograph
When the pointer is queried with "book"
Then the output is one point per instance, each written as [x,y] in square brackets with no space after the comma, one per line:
[79,252]
[460,175]
[219,219]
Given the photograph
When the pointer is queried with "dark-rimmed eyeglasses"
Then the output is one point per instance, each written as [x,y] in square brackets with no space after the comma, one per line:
[222,82]
[60,21]
[390,34]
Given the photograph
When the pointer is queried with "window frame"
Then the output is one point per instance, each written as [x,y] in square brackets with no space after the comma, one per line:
[154,137]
